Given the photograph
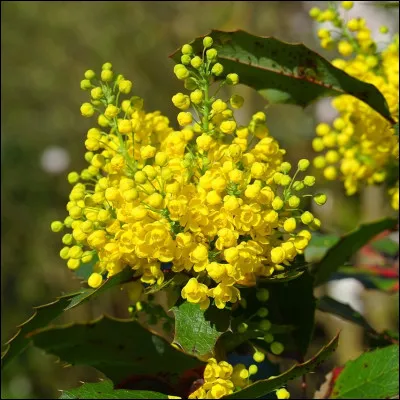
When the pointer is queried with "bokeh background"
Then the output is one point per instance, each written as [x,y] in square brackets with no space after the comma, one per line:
[45,49]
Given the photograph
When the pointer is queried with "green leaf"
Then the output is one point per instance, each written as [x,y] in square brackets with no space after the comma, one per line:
[285,73]
[318,246]
[86,269]
[348,245]
[197,331]
[42,316]
[117,279]
[265,386]
[345,311]
[118,348]
[386,245]
[373,375]
[105,390]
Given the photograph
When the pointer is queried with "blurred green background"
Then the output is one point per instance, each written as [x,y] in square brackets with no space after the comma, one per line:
[46,47]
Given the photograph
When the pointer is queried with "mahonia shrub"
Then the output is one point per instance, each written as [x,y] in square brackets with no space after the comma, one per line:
[360,147]
[213,202]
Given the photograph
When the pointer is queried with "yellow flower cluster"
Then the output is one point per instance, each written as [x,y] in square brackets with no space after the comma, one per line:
[360,146]
[212,201]
[221,379]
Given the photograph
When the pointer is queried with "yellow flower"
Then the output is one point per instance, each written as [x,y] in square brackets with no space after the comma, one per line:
[196,292]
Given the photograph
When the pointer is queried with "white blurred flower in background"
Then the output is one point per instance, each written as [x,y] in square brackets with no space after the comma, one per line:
[55,159]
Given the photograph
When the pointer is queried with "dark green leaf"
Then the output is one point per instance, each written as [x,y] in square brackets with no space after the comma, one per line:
[42,316]
[265,386]
[292,303]
[332,306]
[118,348]
[197,331]
[105,390]
[348,245]
[86,294]
[373,375]
[286,73]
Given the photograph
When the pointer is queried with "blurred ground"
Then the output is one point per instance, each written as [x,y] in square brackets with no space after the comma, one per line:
[46,47]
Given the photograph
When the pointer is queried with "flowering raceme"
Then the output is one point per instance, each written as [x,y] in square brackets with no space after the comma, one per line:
[360,146]
[213,201]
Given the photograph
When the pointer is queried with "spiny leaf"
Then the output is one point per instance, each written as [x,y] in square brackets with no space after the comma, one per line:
[373,375]
[117,279]
[42,316]
[105,390]
[285,73]
[349,244]
[197,331]
[265,386]
[45,314]
[118,348]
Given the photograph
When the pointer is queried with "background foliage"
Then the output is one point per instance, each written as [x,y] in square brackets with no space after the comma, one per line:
[45,49]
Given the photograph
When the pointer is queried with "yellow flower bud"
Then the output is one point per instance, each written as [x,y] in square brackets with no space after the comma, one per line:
[140,177]
[319,162]
[285,167]
[289,225]
[125,126]
[196,62]
[207,42]
[320,199]
[125,86]
[294,201]
[258,356]
[184,118]
[330,173]
[309,180]
[181,101]
[87,110]
[181,71]
[307,218]
[345,48]
[232,79]
[111,111]
[277,203]
[236,101]
[95,280]
[161,159]
[107,75]
[278,255]
[57,226]
[314,12]
[187,49]
[277,348]
[283,393]
[228,127]
[211,54]
[89,74]
[196,96]
[347,5]
[303,164]
[85,84]
[217,69]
